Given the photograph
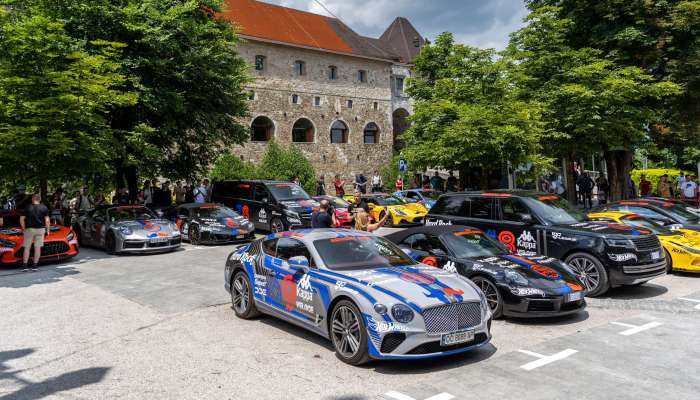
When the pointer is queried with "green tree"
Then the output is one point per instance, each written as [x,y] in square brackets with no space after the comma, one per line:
[54,100]
[286,163]
[590,103]
[467,111]
[231,166]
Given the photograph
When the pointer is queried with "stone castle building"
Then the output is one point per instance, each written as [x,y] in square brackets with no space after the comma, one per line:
[319,85]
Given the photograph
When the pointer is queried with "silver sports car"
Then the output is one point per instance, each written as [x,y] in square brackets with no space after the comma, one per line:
[127,229]
[360,291]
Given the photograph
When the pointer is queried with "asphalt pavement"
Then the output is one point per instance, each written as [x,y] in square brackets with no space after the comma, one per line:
[161,327]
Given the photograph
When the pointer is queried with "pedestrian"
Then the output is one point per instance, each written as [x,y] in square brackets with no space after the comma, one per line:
[362,222]
[377,183]
[100,200]
[21,200]
[180,192]
[603,188]
[85,201]
[189,194]
[146,195]
[200,192]
[339,185]
[631,189]
[164,196]
[451,182]
[358,203]
[680,184]
[663,188]
[437,183]
[690,190]
[361,183]
[296,181]
[585,186]
[121,198]
[36,224]
[208,185]
[321,186]
[399,183]
[644,186]
[56,208]
[323,218]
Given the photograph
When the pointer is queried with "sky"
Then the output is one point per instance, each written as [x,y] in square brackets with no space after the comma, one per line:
[480,23]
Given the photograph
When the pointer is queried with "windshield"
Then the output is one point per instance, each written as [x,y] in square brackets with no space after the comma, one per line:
[387,201]
[679,212]
[473,243]
[640,222]
[554,210]
[287,191]
[340,203]
[214,212]
[130,214]
[360,252]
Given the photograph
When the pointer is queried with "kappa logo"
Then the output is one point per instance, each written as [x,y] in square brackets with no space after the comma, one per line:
[527,241]
[304,282]
[262,214]
[450,267]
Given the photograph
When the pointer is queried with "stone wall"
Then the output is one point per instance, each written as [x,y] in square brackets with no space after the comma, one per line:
[277,83]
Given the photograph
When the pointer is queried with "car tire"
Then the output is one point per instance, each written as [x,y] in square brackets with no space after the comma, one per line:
[669,262]
[591,272]
[242,300]
[347,328]
[493,295]
[110,243]
[194,235]
[276,225]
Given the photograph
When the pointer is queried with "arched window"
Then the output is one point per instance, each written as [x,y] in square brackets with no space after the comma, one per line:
[303,131]
[339,132]
[332,72]
[262,129]
[371,134]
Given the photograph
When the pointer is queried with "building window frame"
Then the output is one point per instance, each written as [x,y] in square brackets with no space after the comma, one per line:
[299,68]
[296,99]
[339,134]
[305,132]
[262,124]
[260,62]
[370,133]
[332,72]
[349,104]
[362,76]
[318,101]
[399,84]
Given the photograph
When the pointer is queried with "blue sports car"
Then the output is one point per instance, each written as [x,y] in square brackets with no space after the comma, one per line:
[360,291]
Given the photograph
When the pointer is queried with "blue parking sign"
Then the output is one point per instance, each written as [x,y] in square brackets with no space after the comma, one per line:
[403,165]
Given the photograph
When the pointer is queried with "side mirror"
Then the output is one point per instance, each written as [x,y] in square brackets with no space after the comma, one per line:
[526,218]
[265,200]
[299,261]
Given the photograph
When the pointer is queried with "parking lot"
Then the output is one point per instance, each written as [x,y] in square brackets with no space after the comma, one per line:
[161,326]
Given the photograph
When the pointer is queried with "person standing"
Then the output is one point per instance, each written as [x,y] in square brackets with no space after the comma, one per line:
[585,187]
[323,218]
[377,182]
[690,190]
[451,182]
[399,183]
[21,200]
[644,186]
[56,208]
[361,183]
[121,198]
[663,188]
[180,192]
[146,195]
[362,222]
[339,185]
[200,193]
[321,186]
[36,224]
[165,196]
[437,183]
[603,188]
[680,184]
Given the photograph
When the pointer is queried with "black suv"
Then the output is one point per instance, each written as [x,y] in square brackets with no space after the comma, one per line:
[603,255]
[270,205]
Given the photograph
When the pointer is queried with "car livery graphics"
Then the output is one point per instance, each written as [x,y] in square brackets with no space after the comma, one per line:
[211,224]
[317,278]
[602,254]
[60,244]
[514,285]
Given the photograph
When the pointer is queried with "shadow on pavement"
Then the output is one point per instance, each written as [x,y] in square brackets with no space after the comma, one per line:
[16,278]
[551,321]
[646,291]
[37,390]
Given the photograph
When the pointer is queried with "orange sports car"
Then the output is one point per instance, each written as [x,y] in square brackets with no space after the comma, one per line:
[60,244]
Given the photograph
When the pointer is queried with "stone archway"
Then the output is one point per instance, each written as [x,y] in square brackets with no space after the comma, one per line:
[400,123]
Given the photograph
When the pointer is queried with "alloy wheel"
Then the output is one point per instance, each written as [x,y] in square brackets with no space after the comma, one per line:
[276,226]
[587,272]
[239,294]
[490,292]
[346,331]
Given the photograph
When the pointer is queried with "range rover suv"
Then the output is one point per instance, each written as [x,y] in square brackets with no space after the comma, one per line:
[601,254]
[270,205]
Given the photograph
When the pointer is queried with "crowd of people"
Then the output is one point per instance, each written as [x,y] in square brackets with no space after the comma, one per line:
[375,184]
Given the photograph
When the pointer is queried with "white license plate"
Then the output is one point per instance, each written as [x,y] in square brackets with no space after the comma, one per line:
[571,297]
[240,236]
[159,240]
[456,338]
[656,255]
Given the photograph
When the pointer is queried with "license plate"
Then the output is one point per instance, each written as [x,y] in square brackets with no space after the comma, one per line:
[656,255]
[240,236]
[456,338]
[571,297]
[159,240]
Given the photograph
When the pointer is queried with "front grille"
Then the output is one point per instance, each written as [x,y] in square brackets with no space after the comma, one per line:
[48,249]
[176,241]
[158,244]
[434,347]
[132,245]
[647,243]
[452,317]
[540,305]
[392,341]
[642,269]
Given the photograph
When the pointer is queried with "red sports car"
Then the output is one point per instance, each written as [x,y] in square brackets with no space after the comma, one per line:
[342,215]
[60,244]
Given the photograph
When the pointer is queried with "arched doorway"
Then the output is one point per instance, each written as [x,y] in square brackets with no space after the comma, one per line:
[303,131]
[400,122]
[262,129]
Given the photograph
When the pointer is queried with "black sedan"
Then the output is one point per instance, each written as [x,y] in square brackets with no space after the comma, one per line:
[515,286]
[211,224]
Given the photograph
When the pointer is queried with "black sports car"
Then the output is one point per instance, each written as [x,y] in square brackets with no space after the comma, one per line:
[211,224]
[516,286]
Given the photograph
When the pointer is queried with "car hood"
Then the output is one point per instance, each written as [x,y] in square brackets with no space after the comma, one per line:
[305,206]
[548,274]
[149,228]
[15,232]
[416,285]
[225,222]
[609,229]
[684,237]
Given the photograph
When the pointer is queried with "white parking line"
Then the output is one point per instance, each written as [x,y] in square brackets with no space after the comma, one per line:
[634,329]
[401,396]
[544,360]
[697,307]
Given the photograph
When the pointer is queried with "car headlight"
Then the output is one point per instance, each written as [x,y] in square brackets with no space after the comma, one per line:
[675,227]
[7,243]
[620,243]
[688,249]
[125,230]
[291,213]
[515,278]
[380,308]
[402,313]
[70,236]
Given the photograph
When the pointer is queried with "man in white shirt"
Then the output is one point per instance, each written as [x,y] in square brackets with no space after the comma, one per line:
[376,182]
[690,189]
[201,193]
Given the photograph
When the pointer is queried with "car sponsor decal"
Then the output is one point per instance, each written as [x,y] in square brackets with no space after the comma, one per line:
[542,270]
[384,326]
[623,257]
[508,239]
[526,243]
[262,216]
[468,232]
[450,266]
[437,222]
[434,288]
[430,260]
[560,236]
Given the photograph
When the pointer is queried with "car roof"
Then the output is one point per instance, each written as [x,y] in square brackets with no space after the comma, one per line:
[502,193]
[435,230]
[263,181]
[310,235]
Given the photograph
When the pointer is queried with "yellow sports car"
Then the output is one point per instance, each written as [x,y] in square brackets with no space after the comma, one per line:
[682,246]
[400,211]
